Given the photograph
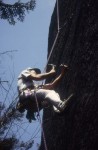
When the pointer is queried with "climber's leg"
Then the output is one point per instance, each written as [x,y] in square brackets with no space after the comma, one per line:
[52,97]
[49,96]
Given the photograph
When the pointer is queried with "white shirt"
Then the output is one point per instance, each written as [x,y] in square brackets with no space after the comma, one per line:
[23,81]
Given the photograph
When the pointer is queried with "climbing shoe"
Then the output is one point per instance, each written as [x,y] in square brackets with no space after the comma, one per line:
[64,104]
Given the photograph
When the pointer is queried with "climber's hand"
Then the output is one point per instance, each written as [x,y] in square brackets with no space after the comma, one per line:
[52,65]
[64,67]
[53,70]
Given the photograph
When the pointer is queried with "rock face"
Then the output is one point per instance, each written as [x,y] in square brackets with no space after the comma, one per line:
[77,46]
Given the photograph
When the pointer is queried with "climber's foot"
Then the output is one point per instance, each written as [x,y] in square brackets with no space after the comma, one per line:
[62,106]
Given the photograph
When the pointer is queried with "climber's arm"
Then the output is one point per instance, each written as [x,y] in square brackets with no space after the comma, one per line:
[42,76]
[54,83]
[57,80]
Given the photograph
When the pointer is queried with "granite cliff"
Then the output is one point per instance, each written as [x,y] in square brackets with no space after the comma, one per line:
[77,46]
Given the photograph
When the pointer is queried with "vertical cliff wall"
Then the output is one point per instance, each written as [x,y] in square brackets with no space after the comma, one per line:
[77,46]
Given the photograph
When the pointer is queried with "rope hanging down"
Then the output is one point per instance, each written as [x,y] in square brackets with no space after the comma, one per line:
[40,120]
[44,71]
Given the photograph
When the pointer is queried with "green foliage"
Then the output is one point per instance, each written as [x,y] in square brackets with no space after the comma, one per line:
[7,144]
[13,143]
[7,141]
[17,11]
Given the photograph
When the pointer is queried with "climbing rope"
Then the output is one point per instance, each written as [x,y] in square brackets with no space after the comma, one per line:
[51,51]
[40,119]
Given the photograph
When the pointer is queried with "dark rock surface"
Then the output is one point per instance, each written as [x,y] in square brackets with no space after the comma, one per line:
[77,46]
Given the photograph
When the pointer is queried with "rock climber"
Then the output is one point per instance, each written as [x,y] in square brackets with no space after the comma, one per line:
[45,94]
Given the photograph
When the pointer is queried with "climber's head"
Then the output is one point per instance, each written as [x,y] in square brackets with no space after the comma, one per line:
[36,70]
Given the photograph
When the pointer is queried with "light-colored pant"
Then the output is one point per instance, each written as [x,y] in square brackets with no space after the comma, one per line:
[47,95]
